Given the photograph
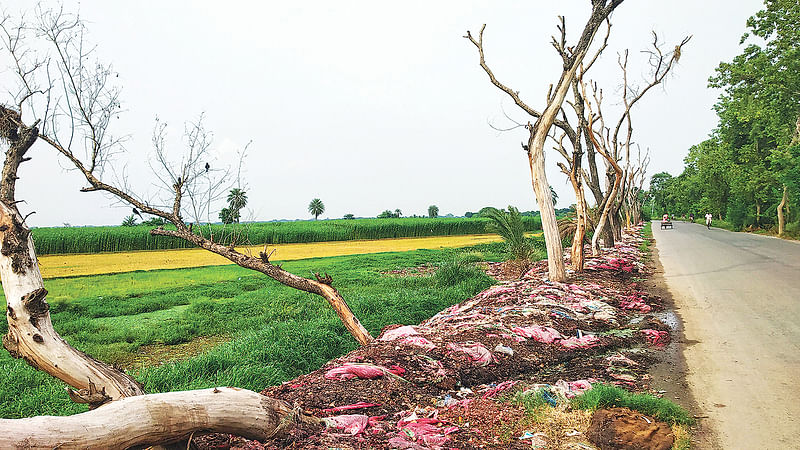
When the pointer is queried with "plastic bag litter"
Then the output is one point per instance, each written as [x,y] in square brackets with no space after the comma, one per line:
[417,341]
[586,341]
[546,335]
[351,423]
[397,333]
[365,371]
[655,337]
[500,348]
[427,431]
[494,390]
[358,405]
[618,359]
[634,302]
[475,351]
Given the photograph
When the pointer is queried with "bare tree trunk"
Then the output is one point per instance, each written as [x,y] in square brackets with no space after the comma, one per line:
[577,254]
[781,220]
[541,189]
[758,214]
[30,332]
[157,419]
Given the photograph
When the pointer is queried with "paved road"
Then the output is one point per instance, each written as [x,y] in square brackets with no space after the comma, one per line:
[739,297]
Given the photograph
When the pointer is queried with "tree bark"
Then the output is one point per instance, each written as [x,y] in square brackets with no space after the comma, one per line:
[781,220]
[157,419]
[31,335]
[577,255]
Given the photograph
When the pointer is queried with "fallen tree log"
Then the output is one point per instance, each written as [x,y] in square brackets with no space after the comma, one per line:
[157,419]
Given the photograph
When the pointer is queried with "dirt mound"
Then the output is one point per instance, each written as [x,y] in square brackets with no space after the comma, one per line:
[624,429]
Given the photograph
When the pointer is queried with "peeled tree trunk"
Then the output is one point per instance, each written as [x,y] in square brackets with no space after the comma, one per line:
[157,419]
[30,332]
[578,257]
[781,219]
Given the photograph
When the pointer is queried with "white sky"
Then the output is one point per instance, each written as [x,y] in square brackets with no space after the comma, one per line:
[373,105]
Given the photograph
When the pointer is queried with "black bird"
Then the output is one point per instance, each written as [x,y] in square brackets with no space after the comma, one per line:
[208,166]
[179,181]
[136,211]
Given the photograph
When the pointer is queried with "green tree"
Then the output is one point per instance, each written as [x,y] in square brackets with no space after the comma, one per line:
[349,216]
[228,216]
[237,199]
[316,207]
[760,109]
[433,211]
[553,195]
[386,214]
[508,224]
[398,213]
[129,221]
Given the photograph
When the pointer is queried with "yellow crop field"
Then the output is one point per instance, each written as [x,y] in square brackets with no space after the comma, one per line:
[94,264]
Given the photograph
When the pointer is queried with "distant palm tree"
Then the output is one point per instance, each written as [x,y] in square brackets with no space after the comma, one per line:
[554,195]
[433,211]
[237,199]
[398,213]
[316,207]
[129,221]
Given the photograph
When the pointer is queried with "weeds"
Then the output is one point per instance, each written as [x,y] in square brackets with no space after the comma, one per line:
[604,395]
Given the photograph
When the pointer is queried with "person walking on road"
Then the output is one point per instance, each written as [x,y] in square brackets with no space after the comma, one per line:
[708,220]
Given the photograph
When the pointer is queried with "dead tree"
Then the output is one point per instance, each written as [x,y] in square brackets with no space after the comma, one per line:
[67,102]
[615,147]
[540,129]
[572,167]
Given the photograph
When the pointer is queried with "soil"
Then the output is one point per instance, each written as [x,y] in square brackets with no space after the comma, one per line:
[624,429]
[477,354]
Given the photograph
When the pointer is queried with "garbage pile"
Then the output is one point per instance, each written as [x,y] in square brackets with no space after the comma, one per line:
[530,333]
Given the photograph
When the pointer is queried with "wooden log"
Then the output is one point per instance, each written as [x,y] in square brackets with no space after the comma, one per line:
[157,419]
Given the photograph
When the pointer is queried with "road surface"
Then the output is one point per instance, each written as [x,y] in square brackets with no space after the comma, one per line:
[738,295]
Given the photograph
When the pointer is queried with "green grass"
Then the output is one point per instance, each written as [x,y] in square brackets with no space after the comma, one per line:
[62,240]
[275,333]
[604,395]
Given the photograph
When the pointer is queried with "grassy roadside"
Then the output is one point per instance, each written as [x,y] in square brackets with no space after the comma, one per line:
[267,333]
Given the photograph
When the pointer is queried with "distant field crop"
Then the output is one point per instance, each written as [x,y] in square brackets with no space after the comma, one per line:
[56,266]
[229,326]
[63,240]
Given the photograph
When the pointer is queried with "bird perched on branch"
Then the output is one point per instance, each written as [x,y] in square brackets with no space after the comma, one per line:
[208,166]
[136,211]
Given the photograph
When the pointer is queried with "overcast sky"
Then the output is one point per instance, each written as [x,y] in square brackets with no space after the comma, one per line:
[372,105]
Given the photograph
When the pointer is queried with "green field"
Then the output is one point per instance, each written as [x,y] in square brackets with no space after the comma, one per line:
[249,330]
[62,240]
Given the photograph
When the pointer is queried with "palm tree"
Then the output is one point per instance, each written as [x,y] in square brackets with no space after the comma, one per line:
[316,207]
[433,211]
[509,226]
[398,213]
[237,199]
[554,195]
[129,221]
